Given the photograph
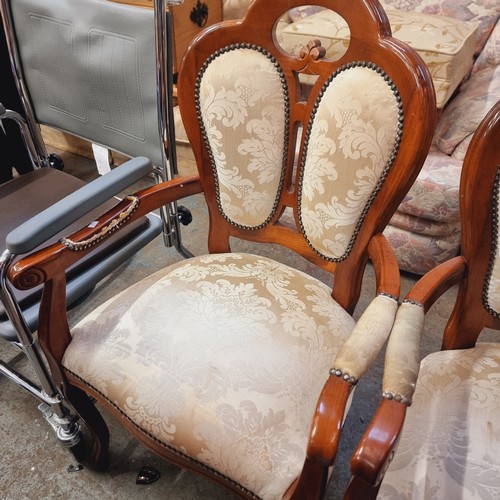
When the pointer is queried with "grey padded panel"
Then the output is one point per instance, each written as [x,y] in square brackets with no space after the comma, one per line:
[90,69]
[54,219]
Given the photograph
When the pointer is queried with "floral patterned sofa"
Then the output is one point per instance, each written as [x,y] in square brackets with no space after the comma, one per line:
[460,42]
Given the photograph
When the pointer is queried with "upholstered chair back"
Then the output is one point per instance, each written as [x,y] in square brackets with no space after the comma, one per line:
[327,168]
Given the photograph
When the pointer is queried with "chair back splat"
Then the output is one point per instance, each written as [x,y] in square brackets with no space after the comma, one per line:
[338,163]
[237,365]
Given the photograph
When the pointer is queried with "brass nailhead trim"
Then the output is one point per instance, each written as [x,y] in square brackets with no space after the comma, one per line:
[390,161]
[494,249]
[114,225]
[204,134]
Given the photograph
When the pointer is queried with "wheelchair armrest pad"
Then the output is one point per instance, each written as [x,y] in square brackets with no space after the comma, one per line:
[54,219]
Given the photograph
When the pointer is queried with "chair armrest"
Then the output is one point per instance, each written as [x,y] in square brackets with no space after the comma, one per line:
[357,354]
[354,358]
[402,363]
[54,219]
[43,265]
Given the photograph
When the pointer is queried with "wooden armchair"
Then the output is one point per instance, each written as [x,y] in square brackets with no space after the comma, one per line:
[443,414]
[236,366]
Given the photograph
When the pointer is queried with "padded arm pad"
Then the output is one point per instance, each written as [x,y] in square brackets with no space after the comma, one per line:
[402,357]
[49,222]
[369,335]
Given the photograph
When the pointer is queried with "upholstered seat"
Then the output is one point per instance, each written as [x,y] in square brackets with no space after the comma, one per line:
[440,418]
[231,378]
[451,435]
[232,365]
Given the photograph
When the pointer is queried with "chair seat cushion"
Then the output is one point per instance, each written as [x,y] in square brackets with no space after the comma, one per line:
[446,45]
[451,448]
[221,358]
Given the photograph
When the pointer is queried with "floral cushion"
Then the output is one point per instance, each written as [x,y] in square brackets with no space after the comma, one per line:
[462,117]
[418,253]
[446,44]
[434,194]
[486,12]
[220,358]
[450,445]
[423,226]
[490,55]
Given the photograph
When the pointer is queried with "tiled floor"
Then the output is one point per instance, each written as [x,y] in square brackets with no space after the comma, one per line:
[34,465]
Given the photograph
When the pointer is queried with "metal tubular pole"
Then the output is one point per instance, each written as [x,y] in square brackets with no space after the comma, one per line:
[27,342]
[42,157]
[164,89]
[25,132]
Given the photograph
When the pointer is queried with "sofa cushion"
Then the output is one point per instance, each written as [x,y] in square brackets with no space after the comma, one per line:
[423,226]
[486,12]
[446,45]
[418,253]
[490,55]
[434,194]
[464,113]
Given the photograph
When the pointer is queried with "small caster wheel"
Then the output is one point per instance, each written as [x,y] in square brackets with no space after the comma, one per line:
[184,215]
[55,161]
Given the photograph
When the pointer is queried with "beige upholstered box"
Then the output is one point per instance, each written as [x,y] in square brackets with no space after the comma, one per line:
[446,45]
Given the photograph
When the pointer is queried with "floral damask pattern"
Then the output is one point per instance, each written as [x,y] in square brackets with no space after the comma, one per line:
[243,105]
[246,415]
[351,139]
[449,446]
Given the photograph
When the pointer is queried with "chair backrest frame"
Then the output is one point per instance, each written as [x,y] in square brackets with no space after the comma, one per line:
[369,47]
[480,246]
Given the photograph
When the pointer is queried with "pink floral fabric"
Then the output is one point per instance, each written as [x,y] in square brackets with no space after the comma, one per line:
[434,195]
[490,55]
[464,113]
[425,230]
[418,253]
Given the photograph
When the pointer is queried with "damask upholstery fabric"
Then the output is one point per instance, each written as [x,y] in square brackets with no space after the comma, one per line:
[243,111]
[351,140]
[450,447]
[445,44]
[403,351]
[357,355]
[246,414]
[244,115]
